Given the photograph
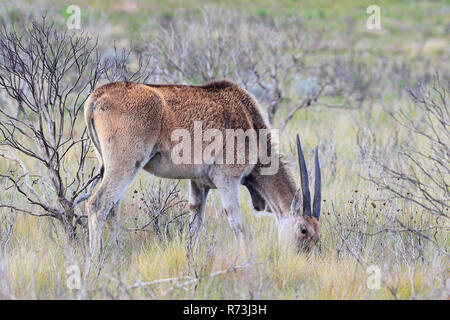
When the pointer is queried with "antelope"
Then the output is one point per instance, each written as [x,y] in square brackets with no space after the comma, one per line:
[130,125]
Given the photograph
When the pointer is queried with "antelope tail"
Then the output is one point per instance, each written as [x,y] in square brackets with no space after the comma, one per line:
[89,109]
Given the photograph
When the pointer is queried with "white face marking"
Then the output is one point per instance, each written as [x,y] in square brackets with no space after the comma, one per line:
[290,232]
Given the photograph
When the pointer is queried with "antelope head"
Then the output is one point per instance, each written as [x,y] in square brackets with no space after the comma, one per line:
[306,220]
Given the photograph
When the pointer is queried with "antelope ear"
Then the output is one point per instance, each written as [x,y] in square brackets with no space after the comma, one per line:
[297,203]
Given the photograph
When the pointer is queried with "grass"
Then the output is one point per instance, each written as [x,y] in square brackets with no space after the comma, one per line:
[38,261]
[38,256]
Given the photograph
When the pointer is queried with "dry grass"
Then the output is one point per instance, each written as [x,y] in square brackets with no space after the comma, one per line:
[38,259]
[34,260]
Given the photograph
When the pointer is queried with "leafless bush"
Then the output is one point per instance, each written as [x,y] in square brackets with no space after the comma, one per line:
[419,172]
[47,74]
[126,65]
[188,50]
[164,208]
[6,230]
[405,218]
[277,61]
[371,232]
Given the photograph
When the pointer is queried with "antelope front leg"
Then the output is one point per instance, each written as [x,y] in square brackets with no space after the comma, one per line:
[197,203]
[229,195]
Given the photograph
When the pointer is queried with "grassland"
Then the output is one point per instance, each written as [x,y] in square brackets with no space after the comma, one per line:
[34,264]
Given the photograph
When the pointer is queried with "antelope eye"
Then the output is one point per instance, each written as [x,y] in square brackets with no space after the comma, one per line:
[303,231]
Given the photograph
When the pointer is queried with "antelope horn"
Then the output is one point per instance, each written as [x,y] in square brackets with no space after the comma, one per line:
[304,180]
[317,187]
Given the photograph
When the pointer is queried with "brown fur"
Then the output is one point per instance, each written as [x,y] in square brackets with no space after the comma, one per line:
[130,125]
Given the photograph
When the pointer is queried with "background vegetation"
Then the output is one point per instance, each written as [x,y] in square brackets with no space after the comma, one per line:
[375,101]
